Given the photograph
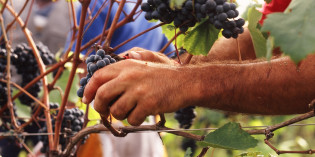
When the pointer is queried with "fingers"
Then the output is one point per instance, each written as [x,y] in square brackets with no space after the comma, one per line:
[100,77]
[123,106]
[105,95]
[138,116]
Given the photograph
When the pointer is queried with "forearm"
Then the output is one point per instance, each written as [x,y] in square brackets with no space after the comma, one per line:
[275,87]
[227,50]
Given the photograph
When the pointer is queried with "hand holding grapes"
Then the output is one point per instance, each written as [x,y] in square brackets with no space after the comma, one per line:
[135,89]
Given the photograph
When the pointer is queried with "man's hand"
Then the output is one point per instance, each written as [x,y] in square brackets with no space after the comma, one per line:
[146,55]
[134,89]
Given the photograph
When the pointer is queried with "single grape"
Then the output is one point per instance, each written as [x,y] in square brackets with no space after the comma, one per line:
[92,68]
[100,53]
[80,92]
[145,7]
[83,81]
[222,16]
[100,64]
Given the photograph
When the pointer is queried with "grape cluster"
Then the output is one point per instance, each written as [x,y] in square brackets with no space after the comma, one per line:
[189,143]
[73,120]
[26,65]
[220,13]
[185,116]
[3,86]
[94,62]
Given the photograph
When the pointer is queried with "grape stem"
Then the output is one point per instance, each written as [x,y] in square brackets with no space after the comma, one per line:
[203,152]
[41,67]
[25,92]
[134,37]
[8,75]
[239,50]
[28,14]
[15,18]
[106,20]
[75,63]
[169,42]
[127,19]
[114,23]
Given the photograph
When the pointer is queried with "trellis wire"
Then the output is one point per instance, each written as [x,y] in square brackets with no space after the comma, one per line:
[147,131]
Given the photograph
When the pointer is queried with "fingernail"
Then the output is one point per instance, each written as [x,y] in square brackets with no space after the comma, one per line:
[84,99]
[134,55]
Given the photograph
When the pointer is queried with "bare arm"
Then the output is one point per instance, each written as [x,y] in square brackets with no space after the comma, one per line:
[135,89]
[276,87]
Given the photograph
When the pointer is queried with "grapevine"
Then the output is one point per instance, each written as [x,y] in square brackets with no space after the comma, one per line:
[219,12]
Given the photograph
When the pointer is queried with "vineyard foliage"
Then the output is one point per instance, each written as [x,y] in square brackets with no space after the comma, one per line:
[292,33]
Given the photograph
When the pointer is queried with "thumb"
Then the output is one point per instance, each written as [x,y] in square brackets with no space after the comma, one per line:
[134,55]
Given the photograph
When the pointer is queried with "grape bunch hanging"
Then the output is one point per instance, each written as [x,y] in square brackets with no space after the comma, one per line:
[24,61]
[220,13]
[94,62]
[73,121]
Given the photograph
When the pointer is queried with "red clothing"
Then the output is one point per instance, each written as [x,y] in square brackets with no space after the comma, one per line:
[274,6]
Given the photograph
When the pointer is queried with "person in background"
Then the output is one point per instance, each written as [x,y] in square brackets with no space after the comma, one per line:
[48,22]
[146,144]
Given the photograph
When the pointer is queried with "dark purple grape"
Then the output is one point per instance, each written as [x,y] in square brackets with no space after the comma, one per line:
[107,61]
[83,81]
[231,14]
[148,16]
[145,7]
[219,9]
[240,22]
[92,68]
[232,6]
[227,33]
[100,64]
[100,53]
[222,16]
[226,6]
[80,92]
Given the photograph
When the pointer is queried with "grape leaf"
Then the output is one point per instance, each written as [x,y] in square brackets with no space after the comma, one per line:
[249,154]
[257,37]
[293,29]
[270,46]
[188,152]
[229,136]
[169,31]
[176,4]
[93,115]
[200,39]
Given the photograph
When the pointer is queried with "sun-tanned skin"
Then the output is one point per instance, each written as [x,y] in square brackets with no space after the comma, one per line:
[136,88]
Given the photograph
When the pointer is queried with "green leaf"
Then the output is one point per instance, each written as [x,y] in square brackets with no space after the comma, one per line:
[169,31]
[270,46]
[249,154]
[229,136]
[201,38]
[267,1]
[188,152]
[293,30]
[176,4]
[258,39]
[94,116]
[54,95]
